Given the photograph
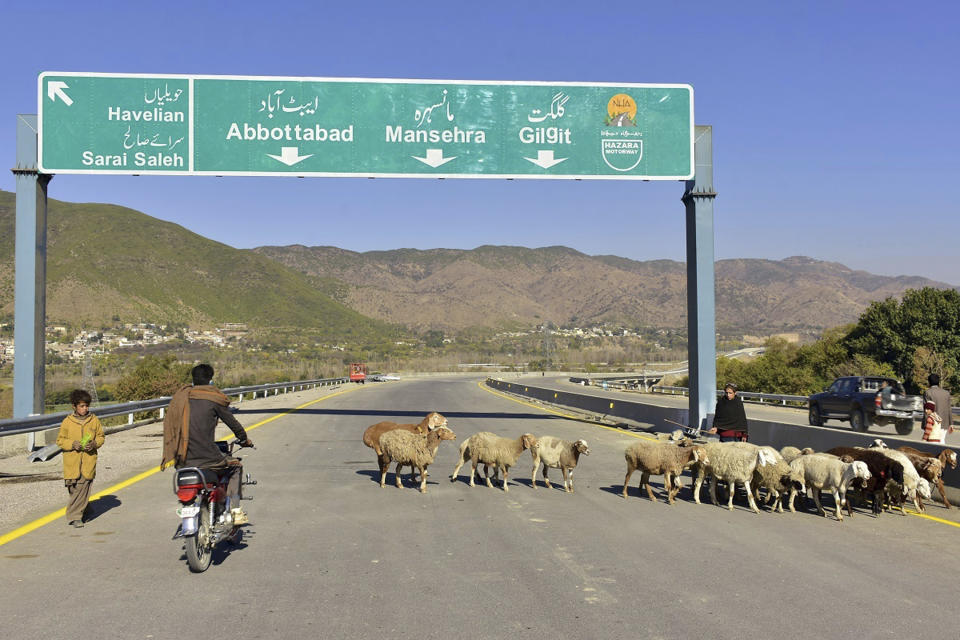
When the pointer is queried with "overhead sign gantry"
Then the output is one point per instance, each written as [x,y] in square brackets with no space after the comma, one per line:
[132,124]
[253,126]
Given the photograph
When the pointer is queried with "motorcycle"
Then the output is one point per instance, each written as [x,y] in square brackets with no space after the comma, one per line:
[205,512]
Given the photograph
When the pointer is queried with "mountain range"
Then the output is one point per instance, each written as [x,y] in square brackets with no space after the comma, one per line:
[106,261]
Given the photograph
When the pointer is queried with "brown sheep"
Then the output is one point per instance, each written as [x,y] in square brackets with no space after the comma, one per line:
[946,457]
[371,437]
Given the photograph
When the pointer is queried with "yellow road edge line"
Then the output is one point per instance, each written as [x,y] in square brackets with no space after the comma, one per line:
[50,517]
[483,386]
[934,518]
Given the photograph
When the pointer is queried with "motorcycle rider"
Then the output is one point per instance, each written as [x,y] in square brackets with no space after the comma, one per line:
[189,433]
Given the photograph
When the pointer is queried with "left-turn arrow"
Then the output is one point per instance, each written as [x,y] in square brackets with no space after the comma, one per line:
[55,89]
[290,156]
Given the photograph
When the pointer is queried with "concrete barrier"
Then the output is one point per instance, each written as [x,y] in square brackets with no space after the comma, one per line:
[762,432]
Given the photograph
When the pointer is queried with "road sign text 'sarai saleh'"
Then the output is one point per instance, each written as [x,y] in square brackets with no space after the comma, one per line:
[226,125]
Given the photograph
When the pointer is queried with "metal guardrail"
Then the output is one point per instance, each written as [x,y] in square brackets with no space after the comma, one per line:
[16,426]
[762,398]
[782,399]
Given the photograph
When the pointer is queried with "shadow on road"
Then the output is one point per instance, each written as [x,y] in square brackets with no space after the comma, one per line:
[100,506]
[386,413]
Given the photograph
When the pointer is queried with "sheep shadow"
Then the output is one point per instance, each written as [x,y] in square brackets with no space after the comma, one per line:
[633,491]
[405,481]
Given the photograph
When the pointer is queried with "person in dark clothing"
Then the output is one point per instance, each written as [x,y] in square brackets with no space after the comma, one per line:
[205,405]
[729,418]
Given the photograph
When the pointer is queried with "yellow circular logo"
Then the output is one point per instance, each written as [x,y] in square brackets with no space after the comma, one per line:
[622,104]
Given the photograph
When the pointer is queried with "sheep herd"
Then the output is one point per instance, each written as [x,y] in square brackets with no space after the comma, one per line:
[885,476]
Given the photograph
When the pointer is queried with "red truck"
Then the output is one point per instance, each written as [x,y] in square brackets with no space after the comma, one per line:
[358,372]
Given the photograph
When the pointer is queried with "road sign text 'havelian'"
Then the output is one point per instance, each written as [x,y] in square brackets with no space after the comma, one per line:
[101,123]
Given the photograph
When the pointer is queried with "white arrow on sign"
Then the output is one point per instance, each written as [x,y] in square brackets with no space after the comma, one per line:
[55,89]
[545,159]
[434,158]
[290,156]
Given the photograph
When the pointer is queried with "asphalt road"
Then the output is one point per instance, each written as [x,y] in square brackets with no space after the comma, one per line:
[329,554]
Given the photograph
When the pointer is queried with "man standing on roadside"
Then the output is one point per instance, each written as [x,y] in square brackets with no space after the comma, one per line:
[941,398]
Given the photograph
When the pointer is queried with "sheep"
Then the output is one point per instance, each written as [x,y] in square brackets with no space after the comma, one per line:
[789,454]
[371,437]
[418,451]
[661,458]
[883,470]
[828,472]
[930,470]
[558,454]
[733,463]
[913,488]
[492,451]
[778,478]
[946,457]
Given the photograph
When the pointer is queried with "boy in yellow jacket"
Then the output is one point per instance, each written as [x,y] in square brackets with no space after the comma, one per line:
[80,436]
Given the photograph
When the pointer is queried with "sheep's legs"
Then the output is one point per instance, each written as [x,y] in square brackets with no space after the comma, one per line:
[423,479]
[396,476]
[746,485]
[384,463]
[533,476]
[697,483]
[506,470]
[713,492]
[630,471]
[546,480]
[567,479]
[943,494]
[645,482]
[456,470]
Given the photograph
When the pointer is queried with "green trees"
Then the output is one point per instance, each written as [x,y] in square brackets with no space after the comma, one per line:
[916,336]
[906,339]
[153,377]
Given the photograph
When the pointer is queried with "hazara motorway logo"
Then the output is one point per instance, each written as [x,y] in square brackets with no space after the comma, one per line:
[621,142]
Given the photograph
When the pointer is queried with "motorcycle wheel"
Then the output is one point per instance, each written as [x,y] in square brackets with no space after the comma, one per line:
[199,551]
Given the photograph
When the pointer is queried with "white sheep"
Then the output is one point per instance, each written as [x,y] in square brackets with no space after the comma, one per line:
[557,454]
[789,454]
[660,458]
[733,463]
[912,484]
[822,471]
[494,451]
[416,450]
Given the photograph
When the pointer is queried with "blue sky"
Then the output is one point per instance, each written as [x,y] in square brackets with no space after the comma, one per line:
[835,123]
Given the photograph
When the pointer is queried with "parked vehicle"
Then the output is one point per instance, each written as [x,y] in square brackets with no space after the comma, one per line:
[205,516]
[358,372]
[858,400]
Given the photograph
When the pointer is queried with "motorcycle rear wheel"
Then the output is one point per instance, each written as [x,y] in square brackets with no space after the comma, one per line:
[199,550]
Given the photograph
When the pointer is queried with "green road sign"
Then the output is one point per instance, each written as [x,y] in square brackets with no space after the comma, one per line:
[224,125]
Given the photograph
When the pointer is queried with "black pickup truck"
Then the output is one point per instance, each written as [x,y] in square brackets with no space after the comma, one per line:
[858,399]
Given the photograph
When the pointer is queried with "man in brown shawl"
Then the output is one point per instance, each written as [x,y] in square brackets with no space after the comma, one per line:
[189,428]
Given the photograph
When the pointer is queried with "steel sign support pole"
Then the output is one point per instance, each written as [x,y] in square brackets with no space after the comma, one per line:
[31,276]
[701,307]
